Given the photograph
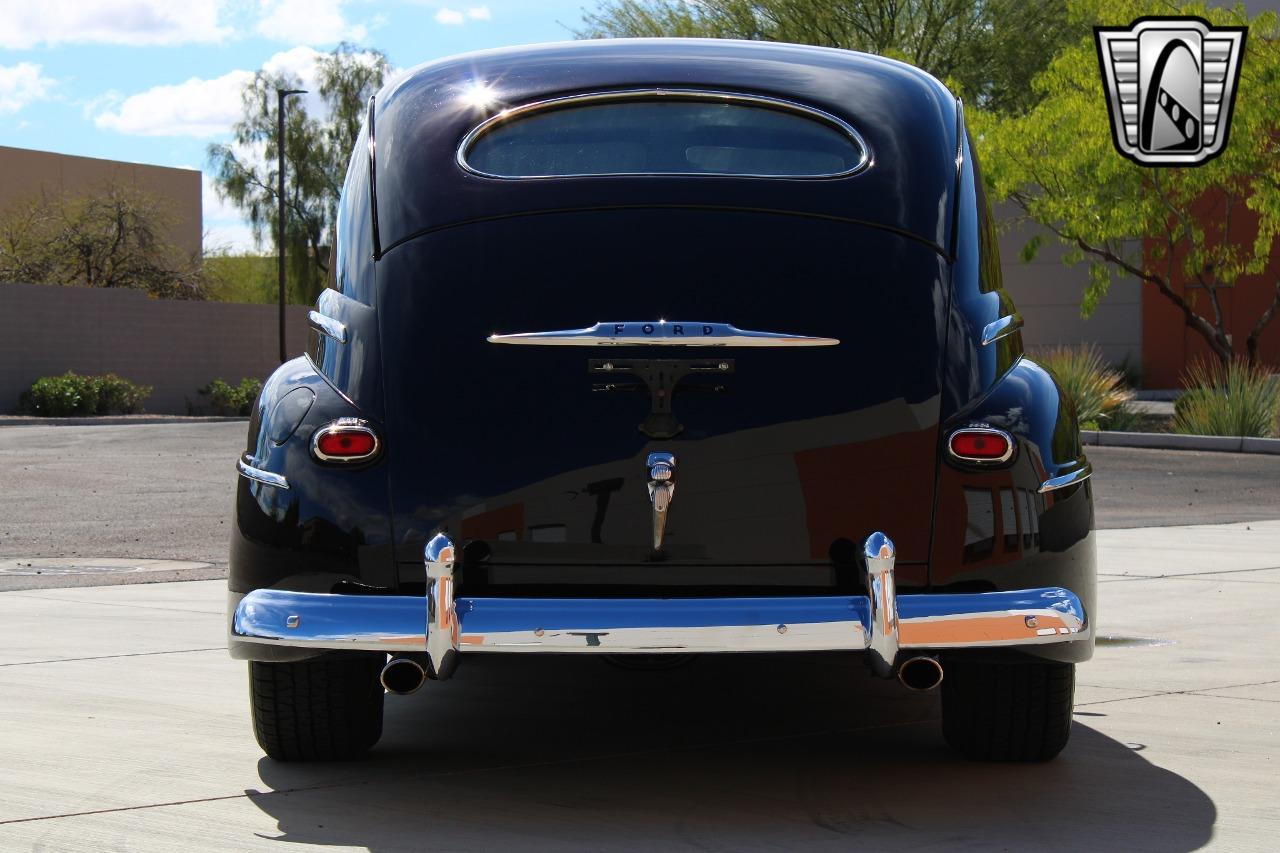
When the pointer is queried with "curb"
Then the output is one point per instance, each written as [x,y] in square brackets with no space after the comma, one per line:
[118,420]
[1171,441]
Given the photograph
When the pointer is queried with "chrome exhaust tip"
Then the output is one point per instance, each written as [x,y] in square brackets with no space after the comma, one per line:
[920,673]
[402,676]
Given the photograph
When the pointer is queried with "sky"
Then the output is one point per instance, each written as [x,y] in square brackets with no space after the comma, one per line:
[156,81]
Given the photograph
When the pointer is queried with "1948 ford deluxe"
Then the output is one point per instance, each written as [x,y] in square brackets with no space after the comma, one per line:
[663,347]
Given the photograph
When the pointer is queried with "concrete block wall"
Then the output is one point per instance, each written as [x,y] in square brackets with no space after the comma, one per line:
[1048,293]
[177,347]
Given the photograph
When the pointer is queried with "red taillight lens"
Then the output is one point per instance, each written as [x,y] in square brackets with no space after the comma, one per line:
[345,443]
[981,445]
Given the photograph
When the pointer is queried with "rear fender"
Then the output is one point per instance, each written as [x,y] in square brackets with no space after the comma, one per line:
[1003,526]
[326,527]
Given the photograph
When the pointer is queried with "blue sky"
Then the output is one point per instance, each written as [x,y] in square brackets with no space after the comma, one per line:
[155,81]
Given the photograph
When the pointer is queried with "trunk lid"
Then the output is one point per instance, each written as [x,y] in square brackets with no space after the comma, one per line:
[537,458]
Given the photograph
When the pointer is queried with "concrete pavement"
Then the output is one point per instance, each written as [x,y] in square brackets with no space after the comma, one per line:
[123,725]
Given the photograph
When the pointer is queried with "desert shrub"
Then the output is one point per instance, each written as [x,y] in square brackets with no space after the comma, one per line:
[228,399]
[1094,388]
[1233,399]
[118,396]
[74,394]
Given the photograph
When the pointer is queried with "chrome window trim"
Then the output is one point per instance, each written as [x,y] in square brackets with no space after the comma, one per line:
[1062,481]
[327,326]
[982,460]
[345,425]
[259,475]
[780,104]
[1001,328]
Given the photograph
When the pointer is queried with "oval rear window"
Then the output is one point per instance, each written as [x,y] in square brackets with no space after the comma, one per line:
[667,133]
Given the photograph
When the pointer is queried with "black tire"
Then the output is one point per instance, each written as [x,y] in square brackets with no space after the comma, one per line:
[1007,711]
[326,709]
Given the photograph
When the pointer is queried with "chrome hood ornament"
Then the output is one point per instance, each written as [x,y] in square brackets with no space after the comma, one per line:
[662,486]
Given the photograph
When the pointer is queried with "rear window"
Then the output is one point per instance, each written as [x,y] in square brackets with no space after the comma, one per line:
[665,134]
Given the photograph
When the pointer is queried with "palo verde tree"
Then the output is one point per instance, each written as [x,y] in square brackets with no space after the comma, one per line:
[986,50]
[113,236]
[1191,233]
[317,149]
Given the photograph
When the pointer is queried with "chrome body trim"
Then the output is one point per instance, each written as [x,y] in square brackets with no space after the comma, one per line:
[1001,328]
[345,425]
[1062,481]
[981,460]
[669,333]
[782,104]
[258,475]
[327,326]
[883,624]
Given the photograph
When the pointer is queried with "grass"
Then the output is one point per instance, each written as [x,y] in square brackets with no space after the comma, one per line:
[248,278]
[1236,399]
[1093,387]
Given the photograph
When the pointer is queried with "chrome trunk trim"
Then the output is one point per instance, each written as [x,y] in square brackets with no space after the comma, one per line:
[258,475]
[669,333]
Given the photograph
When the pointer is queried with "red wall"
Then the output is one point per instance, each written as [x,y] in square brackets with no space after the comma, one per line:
[1169,345]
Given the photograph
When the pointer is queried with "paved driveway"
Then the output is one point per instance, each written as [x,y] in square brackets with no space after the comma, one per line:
[123,726]
[165,491]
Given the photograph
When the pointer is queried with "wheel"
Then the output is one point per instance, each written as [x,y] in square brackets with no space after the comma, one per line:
[1007,711]
[324,709]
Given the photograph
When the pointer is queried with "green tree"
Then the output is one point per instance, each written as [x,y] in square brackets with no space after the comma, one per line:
[115,236]
[987,50]
[1164,226]
[317,149]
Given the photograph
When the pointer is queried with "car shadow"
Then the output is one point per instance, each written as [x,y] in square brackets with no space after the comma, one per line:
[741,752]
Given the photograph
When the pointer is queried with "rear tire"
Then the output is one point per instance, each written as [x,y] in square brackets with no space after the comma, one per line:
[1007,711]
[326,709]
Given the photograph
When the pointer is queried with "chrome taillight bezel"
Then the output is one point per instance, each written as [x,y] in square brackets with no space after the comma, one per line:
[983,429]
[340,427]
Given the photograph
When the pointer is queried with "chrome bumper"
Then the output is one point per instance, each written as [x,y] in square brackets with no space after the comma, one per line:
[880,623]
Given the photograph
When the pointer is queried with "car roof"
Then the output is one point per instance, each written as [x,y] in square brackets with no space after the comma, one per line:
[908,119]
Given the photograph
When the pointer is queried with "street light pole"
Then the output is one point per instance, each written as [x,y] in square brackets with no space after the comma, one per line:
[281,94]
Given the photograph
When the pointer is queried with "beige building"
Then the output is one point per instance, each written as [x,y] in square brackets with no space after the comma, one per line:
[24,173]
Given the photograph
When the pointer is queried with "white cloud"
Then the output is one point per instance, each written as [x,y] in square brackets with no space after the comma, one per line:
[204,108]
[455,17]
[27,24]
[224,224]
[194,108]
[20,85]
[308,22]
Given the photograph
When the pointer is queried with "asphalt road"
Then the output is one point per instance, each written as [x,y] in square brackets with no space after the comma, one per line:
[165,492]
